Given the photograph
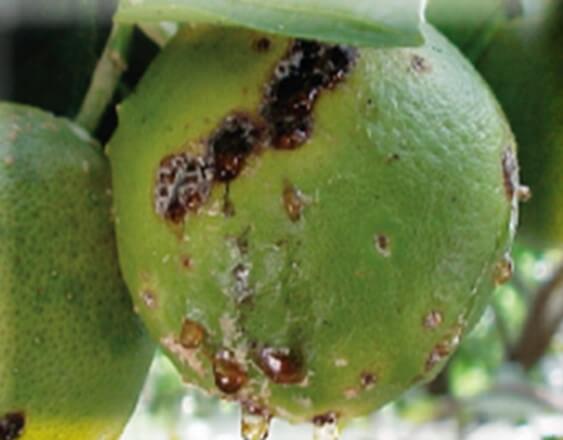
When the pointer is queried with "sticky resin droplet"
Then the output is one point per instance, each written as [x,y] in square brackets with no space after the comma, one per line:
[326,427]
[230,376]
[503,270]
[281,365]
[255,423]
[192,334]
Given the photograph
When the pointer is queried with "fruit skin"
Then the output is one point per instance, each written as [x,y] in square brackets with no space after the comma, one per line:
[520,58]
[73,356]
[409,146]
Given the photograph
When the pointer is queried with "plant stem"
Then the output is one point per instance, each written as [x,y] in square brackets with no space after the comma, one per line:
[543,321]
[105,78]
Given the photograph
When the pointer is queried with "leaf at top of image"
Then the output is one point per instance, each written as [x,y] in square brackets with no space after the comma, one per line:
[371,23]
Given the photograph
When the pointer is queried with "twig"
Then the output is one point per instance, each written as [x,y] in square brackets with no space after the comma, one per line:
[109,69]
[543,321]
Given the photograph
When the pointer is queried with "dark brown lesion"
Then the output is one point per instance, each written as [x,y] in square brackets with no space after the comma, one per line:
[235,139]
[183,185]
[12,425]
[283,121]
[307,69]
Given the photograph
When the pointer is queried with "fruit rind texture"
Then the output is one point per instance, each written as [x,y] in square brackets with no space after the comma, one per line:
[337,269]
[73,355]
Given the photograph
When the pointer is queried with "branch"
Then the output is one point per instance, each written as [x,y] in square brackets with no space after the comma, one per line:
[109,69]
[543,321]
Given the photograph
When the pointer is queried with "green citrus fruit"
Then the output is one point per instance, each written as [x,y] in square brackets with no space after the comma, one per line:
[520,57]
[73,355]
[309,229]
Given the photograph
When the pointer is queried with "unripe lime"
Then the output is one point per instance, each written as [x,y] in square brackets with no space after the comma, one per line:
[309,229]
[73,355]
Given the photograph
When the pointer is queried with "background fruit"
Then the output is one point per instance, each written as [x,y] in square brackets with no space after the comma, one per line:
[72,354]
[311,243]
[519,54]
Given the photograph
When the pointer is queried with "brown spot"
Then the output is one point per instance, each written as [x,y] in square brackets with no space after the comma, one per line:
[8,160]
[186,262]
[433,319]
[149,299]
[192,334]
[299,77]
[12,425]
[420,64]
[262,44]
[393,157]
[509,172]
[351,393]
[281,365]
[232,143]
[503,270]
[329,418]
[230,376]
[242,241]
[438,353]
[524,193]
[183,185]
[293,202]
[368,380]
[382,244]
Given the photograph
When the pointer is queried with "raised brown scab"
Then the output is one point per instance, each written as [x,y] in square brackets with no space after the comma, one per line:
[262,44]
[186,262]
[281,365]
[329,418]
[509,172]
[232,143]
[12,425]
[382,244]
[229,375]
[183,185]
[149,299]
[368,380]
[433,319]
[438,353]
[420,64]
[299,77]
[192,334]
[293,202]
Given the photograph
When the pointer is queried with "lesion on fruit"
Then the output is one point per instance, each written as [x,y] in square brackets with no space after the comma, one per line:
[12,425]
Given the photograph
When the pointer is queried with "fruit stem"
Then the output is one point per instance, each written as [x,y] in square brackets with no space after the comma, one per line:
[108,71]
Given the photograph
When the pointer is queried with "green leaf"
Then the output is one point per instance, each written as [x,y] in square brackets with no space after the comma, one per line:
[375,23]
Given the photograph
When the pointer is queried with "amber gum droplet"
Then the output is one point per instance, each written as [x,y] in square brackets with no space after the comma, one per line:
[255,423]
[230,376]
[192,334]
[282,366]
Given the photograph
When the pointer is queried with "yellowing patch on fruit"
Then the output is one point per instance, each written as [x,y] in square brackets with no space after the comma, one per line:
[73,355]
[310,229]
